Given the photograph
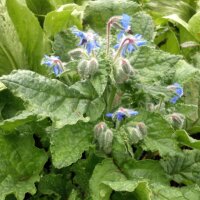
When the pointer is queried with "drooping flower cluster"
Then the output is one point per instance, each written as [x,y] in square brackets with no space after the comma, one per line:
[121,113]
[53,62]
[177,90]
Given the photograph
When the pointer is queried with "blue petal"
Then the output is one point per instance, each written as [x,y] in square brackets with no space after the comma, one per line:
[120,116]
[120,35]
[133,113]
[125,21]
[174,99]
[179,91]
[141,42]
[138,36]
[109,115]
[56,70]
[116,46]
[130,48]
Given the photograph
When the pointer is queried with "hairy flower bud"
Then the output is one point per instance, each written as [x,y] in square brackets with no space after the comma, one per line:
[104,137]
[176,119]
[99,129]
[142,128]
[134,135]
[93,66]
[83,69]
[126,67]
[76,53]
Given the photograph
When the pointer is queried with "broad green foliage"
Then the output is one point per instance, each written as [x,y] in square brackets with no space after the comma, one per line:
[32,39]
[99,115]
[47,97]
[11,50]
[62,18]
[68,144]
[21,163]
[98,12]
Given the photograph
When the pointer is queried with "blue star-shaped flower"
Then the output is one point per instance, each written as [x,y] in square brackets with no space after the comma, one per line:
[137,41]
[121,113]
[87,39]
[53,62]
[125,23]
[178,90]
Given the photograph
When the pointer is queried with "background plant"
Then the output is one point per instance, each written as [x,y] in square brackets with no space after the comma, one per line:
[103,128]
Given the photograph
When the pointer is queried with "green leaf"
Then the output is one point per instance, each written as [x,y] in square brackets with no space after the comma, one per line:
[62,18]
[194,25]
[175,18]
[68,144]
[183,168]
[161,192]
[172,44]
[183,138]
[63,43]
[33,42]
[184,71]
[148,60]
[160,135]
[53,184]
[105,171]
[20,165]
[47,97]
[39,7]
[11,50]
[14,122]
[143,24]
[97,13]
[150,170]
[140,189]
[96,108]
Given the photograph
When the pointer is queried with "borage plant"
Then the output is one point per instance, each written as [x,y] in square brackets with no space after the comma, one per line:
[110,122]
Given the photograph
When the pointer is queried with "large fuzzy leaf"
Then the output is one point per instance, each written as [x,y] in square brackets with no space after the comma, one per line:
[47,97]
[32,39]
[20,165]
[160,135]
[154,65]
[97,13]
[142,23]
[183,168]
[11,50]
[105,171]
[62,18]
[194,24]
[68,144]
[145,169]
[161,192]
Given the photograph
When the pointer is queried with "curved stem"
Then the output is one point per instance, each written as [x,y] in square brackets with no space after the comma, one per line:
[121,47]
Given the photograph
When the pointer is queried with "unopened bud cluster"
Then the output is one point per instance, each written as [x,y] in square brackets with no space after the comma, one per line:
[88,68]
[136,133]
[104,137]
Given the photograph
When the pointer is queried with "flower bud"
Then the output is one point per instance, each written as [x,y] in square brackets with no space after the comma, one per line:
[142,128]
[104,137]
[176,119]
[93,66]
[76,53]
[99,129]
[120,76]
[134,135]
[83,69]
[126,67]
